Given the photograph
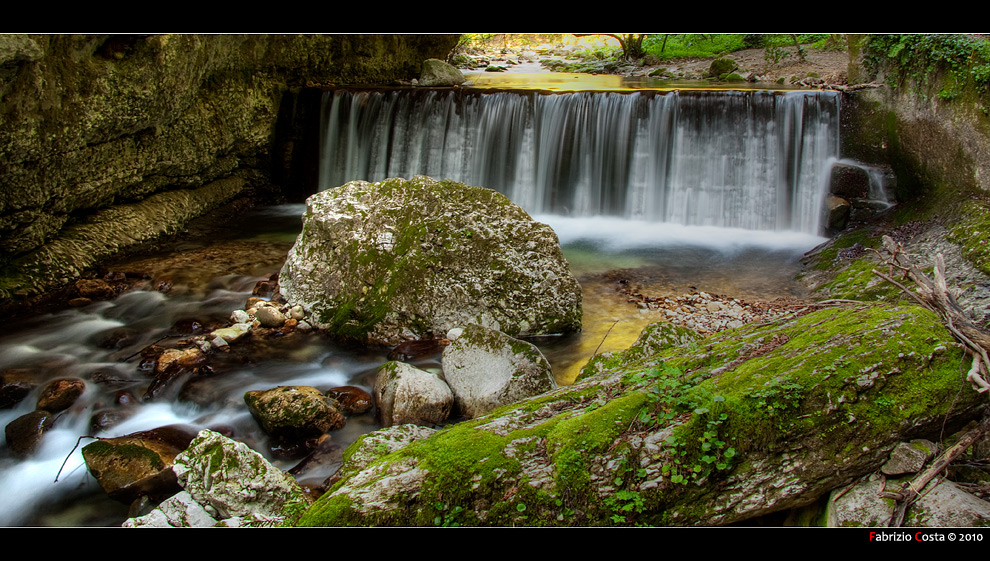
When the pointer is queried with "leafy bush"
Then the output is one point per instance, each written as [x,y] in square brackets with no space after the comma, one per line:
[965,58]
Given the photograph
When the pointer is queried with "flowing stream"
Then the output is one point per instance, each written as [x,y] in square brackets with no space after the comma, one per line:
[717,192]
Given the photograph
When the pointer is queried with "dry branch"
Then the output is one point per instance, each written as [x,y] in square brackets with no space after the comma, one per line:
[934,294]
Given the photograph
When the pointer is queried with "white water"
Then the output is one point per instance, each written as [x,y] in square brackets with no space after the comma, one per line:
[35,490]
[753,160]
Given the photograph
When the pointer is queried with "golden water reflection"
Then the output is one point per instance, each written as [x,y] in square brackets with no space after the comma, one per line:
[612,323]
[569,82]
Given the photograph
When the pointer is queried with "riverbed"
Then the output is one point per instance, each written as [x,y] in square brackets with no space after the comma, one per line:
[201,279]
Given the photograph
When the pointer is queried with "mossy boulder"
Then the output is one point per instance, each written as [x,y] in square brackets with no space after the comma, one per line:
[438,73]
[408,259]
[721,66]
[720,430]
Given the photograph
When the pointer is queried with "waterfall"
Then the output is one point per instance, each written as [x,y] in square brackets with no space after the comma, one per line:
[757,160]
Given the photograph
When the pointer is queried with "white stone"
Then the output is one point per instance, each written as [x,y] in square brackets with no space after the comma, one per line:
[405,394]
[177,511]
[486,369]
[234,332]
[240,316]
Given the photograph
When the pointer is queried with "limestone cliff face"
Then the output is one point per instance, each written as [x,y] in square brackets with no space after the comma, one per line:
[150,131]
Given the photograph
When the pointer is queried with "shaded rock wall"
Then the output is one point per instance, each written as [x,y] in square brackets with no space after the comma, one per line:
[937,144]
[93,122]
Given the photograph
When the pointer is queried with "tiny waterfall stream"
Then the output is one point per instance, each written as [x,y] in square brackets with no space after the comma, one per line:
[711,191]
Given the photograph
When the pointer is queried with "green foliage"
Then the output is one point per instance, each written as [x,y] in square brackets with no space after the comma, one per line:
[778,396]
[964,60]
[692,45]
[754,41]
[699,449]
[447,516]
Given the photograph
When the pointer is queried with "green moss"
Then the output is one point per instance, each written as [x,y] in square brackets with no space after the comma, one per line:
[823,388]
[125,453]
[971,231]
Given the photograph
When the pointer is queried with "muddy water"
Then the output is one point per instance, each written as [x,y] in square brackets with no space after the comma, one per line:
[205,277]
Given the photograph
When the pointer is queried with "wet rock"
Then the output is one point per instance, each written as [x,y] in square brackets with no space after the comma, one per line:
[408,395]
[117,338]
[106,419]
[125,398]
[233,333]
[486,369]
[404,259]
[174,365]
[188,326]
[849,181]
[408,350]
[352,399]
[25,432]
[837,212]
[265,288]
[94,289]
[180,359]
[294,411]
[15,385]
[137,464]
[59,395]
[326,456]
[269,316]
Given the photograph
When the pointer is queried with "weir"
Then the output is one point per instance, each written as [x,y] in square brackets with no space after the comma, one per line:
[757,160]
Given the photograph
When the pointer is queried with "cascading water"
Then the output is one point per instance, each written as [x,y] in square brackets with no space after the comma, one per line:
[756,160]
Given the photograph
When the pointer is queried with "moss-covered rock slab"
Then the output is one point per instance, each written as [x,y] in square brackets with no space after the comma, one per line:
[747,422]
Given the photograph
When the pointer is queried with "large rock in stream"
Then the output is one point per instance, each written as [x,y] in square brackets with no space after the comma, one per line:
[682,431]
[407,259]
